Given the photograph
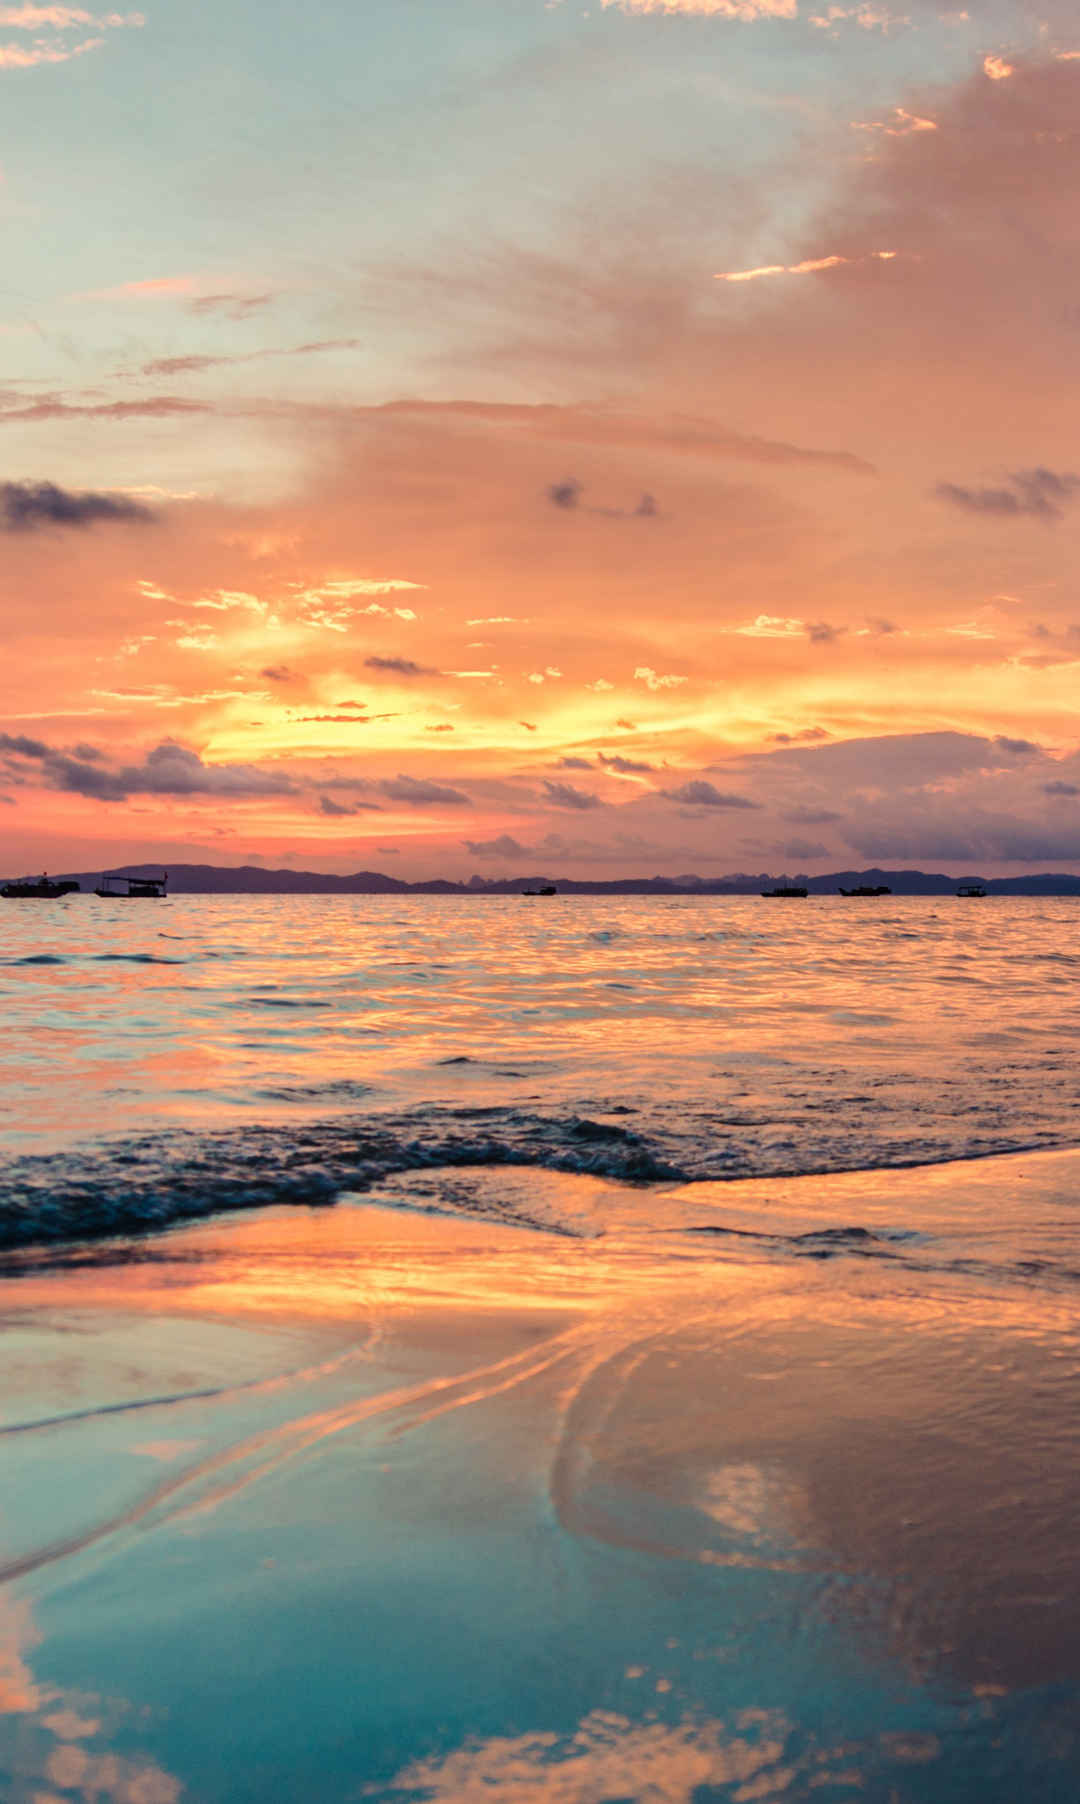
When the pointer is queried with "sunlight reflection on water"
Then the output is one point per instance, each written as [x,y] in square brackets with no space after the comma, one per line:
[202,1010]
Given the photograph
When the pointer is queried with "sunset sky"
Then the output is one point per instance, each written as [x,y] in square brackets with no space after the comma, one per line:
[510,436]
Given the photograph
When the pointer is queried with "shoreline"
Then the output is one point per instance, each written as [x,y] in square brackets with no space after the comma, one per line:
[138,1187]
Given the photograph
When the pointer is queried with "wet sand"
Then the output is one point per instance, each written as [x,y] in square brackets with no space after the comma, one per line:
[365,1502]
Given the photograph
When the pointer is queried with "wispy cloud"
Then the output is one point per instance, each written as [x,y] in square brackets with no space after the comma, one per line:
[403,667]
[417,792]
[771,626]
[584,424]
[19,56]
[63,18]
[626,767]
[564,795]
[808,736]
[149,288]
[233,304]
[334,604]
[701,794]
[195,364]
[53,27]
[902,124]
[808,267]
[1040,493]
[714,9]
[867,16]
[567,496]
[160,407]
[328,806]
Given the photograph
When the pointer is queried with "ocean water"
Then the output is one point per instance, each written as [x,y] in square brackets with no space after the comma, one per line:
[168,1059]
[539,1351]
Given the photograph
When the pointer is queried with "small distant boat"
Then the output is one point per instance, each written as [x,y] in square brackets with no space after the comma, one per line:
[548,890]
[146,888]
[867,889]
[786,889]
[971,889]
[41,889]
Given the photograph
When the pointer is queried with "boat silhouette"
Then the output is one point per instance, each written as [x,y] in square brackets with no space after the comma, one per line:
[145,888]
[867,889]
[41,889]
[786,889]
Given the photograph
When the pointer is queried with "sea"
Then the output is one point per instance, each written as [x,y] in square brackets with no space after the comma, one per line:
[690,1417]
[162,1060]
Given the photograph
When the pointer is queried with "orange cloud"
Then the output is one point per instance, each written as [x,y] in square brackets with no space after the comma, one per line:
[809,266]
[906,123]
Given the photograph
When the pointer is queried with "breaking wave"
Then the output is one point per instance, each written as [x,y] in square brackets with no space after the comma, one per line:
[140,1184]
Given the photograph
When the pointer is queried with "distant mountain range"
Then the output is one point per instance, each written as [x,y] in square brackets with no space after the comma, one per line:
[255,880]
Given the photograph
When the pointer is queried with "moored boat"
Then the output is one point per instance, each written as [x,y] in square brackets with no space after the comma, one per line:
[787,889]
[971,889]
[40,889]
[145,888]
[867,889]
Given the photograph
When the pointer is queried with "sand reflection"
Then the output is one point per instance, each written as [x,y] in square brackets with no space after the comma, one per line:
[876,1458]
[610,1757]
[927,1464]
[53,1741]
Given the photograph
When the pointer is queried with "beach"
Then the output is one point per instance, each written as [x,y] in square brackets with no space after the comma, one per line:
[375,1502]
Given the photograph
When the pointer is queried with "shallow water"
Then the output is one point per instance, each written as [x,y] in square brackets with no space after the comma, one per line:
[375,1504]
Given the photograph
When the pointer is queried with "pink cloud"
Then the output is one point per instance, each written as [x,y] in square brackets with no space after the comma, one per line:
[150,288]
[154,407]
[14,56]
[62,18]
[684,434]
[56,21]
[717,9]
